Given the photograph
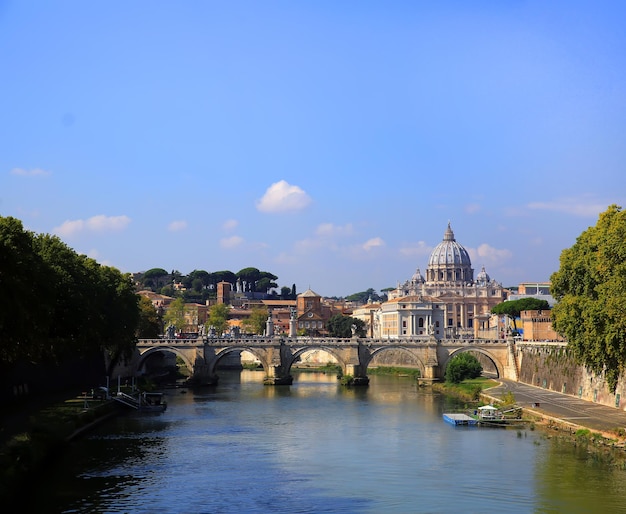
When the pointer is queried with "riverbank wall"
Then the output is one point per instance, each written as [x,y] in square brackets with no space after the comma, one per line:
[553,367]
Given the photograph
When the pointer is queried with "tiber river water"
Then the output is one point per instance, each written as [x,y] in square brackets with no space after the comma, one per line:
[316,447]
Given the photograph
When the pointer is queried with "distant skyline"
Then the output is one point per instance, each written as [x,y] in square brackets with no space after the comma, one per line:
[329,143]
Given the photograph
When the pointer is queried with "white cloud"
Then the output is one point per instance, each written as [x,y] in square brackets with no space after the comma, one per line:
[230,225]
[472,208]
[100,223]
[36,172]
[332,230]
[576,206]
[231,242]
[177,226]
[416,249]
[283,197]
[489,254]
[375,242]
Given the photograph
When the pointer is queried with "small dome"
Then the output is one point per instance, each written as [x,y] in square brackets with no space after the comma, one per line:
[417,277]
[482,278]
[449,252]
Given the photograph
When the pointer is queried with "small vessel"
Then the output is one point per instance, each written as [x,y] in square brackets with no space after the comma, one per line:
[143,401]
[486,416]
[457,418]
[152,402]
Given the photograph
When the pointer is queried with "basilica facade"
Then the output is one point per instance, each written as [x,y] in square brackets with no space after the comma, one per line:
[460,302]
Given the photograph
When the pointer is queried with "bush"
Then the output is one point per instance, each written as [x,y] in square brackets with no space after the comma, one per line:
[461,367]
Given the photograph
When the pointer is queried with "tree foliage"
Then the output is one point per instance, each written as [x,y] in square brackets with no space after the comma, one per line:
[461,367]
[513,308]
[341,326]
[218,318]
[149,326]
[256,322]
[57,303]
[590,289]
[175,314]
[366,296]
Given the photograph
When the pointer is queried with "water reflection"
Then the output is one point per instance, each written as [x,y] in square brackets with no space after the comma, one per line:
[315,446]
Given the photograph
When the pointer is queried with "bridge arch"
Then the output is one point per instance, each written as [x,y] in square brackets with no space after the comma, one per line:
[377,352]
[223,352]
[473,349]
[145,355]
[301,351]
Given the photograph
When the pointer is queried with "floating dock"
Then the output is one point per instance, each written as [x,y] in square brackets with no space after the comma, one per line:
[460,419]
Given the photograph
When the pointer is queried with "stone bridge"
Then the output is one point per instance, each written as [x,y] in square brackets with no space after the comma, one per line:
[278,354]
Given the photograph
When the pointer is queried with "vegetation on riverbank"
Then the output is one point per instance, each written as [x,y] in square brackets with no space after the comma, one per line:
[26,454]
[395,370]
[469,389]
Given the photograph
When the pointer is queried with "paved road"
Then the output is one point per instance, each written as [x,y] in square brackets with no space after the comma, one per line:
[567,408]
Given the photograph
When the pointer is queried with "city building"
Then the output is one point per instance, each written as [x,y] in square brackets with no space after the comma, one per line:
[449,280]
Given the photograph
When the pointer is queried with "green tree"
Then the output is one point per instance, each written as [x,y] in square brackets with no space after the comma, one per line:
[81,307]
[341,326]
[463,366]
[155,278]
[218,318]
[266,282]
[119,309]
[256,322]
[590,289]
[27,295]
[222,276]
[175,314]
[364,296]
[250,276]
[149,325]
[513,308]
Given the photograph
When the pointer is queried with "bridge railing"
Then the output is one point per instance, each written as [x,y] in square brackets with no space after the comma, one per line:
[317,341]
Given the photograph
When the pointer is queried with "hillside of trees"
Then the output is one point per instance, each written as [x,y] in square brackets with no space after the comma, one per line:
[200,285]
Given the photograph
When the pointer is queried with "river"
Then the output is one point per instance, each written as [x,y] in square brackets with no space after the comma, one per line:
[316,447]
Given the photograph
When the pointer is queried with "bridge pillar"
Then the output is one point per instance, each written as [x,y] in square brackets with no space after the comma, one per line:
[202,376]
[431,371]
[356,371]
[276,375]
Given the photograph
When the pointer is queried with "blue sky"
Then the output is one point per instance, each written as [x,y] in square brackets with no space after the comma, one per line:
[327,142]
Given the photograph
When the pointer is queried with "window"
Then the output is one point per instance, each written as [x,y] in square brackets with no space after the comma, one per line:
[420,322]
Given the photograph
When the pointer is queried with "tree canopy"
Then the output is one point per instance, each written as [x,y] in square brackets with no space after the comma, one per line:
[513,308]
[57,303]
[175,314]
[256,322]
[590,289]
[365,296]
[218,318]
[341,326]
[463,366]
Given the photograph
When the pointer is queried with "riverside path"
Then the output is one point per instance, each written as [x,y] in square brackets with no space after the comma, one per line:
[561,407]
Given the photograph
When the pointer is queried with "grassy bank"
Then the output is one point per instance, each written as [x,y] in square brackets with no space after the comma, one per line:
[467,390]
[395,371]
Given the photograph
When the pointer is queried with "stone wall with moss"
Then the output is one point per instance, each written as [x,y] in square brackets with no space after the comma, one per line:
[553,367]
